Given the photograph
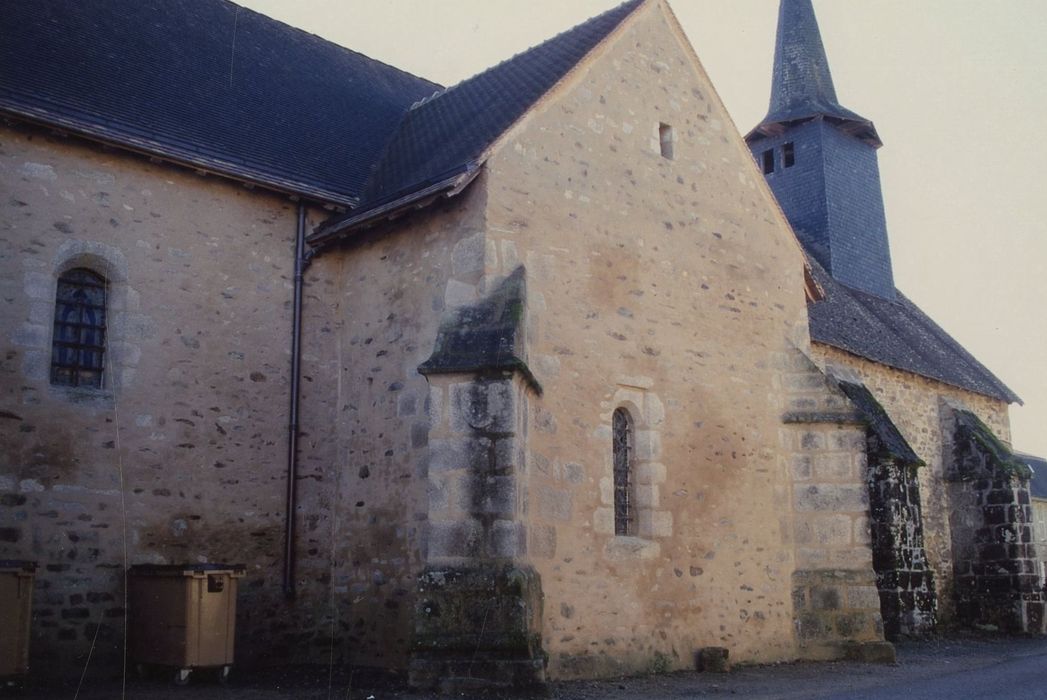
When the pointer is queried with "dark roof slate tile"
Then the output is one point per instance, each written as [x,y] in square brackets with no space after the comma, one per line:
[205,82]
[444,135]
[1038,482]
[897,334]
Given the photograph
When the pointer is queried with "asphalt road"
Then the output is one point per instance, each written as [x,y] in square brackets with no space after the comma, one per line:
[945,668]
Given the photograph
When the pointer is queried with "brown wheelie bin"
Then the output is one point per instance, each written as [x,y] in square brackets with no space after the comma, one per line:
[183,617]
[16,609]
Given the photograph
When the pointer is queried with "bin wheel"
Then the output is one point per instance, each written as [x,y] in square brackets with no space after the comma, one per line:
[223,674]
[181,676]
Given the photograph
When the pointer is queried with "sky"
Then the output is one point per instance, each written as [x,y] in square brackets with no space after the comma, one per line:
[956,89]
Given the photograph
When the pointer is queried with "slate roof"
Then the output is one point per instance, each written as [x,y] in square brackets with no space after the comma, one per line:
[1038,482]
[802,85]
[898,334]
[447,134]
[208,83]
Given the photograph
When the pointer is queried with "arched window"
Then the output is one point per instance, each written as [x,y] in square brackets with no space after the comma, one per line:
[623,467]
[78,343]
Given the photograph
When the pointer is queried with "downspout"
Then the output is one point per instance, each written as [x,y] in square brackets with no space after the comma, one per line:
[301,262]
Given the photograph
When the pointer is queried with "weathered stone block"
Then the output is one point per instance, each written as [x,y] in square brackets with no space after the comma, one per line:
[802,467]
[631,549]
[826,598]
[647,496]
[834,466]
[835,498]
[603,521]
[467,258]
[552,503]
[478,626]
[812,626]
[654,523]
[495,495]
[863,597]
[468,453]
[542,541]
[648,445]
[486,406]
[650,473]
[455,539]
[713,660]
[458,294]
[832,531]
[508,539]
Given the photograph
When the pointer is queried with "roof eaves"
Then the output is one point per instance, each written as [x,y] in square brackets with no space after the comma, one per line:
[999,396]
[449,187]
[193,158]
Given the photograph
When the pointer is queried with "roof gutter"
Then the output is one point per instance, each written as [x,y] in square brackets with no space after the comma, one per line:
[419,199]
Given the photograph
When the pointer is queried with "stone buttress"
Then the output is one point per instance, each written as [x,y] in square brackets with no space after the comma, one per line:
[994,558]
[908,601]
[835,596]
[478,618]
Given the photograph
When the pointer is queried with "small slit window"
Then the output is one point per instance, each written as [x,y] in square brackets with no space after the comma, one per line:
[789,154]
[767,160]
[78,343]
[666,138]
[624,522]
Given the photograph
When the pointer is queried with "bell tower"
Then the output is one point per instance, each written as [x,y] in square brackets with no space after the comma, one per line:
[820,160]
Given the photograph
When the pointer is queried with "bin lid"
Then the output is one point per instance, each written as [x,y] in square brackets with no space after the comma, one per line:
[156,569]
[17,565]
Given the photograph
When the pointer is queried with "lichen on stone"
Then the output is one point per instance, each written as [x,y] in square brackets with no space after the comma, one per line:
[970,427]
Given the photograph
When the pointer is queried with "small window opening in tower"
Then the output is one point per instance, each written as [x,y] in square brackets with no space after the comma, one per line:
[666,138]
[768,161]
[789,154]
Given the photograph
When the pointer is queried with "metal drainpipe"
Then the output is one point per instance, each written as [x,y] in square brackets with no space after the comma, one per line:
[300,264]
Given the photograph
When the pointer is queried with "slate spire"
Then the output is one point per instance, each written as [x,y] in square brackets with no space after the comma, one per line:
[802,85]
[820,160]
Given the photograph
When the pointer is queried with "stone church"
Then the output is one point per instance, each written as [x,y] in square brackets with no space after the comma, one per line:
[549,374]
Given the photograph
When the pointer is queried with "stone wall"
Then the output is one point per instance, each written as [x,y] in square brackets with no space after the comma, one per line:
[913,405]
[181,456]
[364,493]
[671,288]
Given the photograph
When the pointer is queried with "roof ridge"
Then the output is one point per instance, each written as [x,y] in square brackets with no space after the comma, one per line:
[518,54]
[312,35]
[421,139]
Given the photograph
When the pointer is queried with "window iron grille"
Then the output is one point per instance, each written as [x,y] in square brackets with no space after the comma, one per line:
[623,467]
[78,344]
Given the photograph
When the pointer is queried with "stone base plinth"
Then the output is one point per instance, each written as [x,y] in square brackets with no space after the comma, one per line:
[478,628]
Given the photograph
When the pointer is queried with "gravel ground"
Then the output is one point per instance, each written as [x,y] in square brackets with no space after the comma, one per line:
[918,663]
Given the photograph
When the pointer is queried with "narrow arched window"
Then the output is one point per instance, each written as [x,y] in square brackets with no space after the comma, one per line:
[623,468]
[78,343]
